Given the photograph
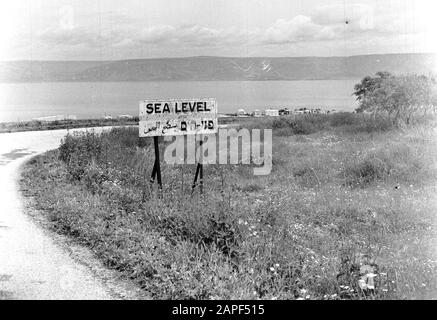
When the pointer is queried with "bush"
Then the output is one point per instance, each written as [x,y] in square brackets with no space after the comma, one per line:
[368,170]
[93,177]
[391,162]
[300,125]
[343,119]
[400,97]
[79,150]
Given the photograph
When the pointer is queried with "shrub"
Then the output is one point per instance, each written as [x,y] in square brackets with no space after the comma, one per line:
[400,97]
[79,150]
[299,125]
[343,119]
[93,177]
[367,171]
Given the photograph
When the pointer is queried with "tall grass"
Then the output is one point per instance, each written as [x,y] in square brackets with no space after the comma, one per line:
[339,207]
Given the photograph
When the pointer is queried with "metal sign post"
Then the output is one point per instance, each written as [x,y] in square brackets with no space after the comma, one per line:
[199,171]
[156,171]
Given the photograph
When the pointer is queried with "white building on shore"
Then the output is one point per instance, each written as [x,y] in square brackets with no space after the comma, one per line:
[257,113]
[241,113]
[272,113]
[56,118]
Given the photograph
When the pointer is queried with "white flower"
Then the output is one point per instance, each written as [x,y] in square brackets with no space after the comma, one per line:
[362,284]
[272,269]
[344,287]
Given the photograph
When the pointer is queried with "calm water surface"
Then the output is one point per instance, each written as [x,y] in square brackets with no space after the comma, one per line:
[24,101]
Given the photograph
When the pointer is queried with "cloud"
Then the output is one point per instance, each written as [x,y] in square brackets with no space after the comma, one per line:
[359,15]
[131,35]
[325,27]
[190,35]
[300,28]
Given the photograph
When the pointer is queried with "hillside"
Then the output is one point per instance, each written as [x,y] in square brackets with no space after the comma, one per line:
[217,68]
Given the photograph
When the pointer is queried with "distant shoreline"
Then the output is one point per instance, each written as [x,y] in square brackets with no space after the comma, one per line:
[37,125]
[172,80]
[9,127]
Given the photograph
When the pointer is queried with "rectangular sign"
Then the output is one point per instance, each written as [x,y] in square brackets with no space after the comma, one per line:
[174,117]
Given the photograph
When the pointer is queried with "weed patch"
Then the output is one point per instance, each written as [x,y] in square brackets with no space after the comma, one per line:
[342,215]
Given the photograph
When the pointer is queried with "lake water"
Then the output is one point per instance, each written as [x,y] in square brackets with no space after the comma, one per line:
[24,101]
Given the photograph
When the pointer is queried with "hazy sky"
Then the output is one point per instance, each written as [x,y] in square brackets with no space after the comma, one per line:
[126,29]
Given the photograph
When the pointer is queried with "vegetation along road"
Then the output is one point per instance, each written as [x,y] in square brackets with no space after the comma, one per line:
[36,264]
[347,212]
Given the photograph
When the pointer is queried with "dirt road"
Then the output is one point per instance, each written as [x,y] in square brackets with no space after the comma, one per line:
[34,263]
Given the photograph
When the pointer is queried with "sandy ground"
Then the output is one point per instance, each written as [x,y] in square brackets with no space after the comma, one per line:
[34,262]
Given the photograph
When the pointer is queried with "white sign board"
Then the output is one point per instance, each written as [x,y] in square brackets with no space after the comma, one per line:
[178,117]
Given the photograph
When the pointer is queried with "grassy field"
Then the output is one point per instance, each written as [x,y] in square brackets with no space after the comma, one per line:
[350,203]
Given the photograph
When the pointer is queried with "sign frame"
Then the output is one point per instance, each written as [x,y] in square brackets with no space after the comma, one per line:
[156,124]
[172,117]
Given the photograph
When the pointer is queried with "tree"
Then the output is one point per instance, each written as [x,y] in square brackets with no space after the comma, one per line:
[365,90]
[399,97]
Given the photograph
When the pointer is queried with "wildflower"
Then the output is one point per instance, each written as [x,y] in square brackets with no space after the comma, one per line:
[344,287]
[272,269]
[362,284]
[277,265]
[300,298]
[307,297]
